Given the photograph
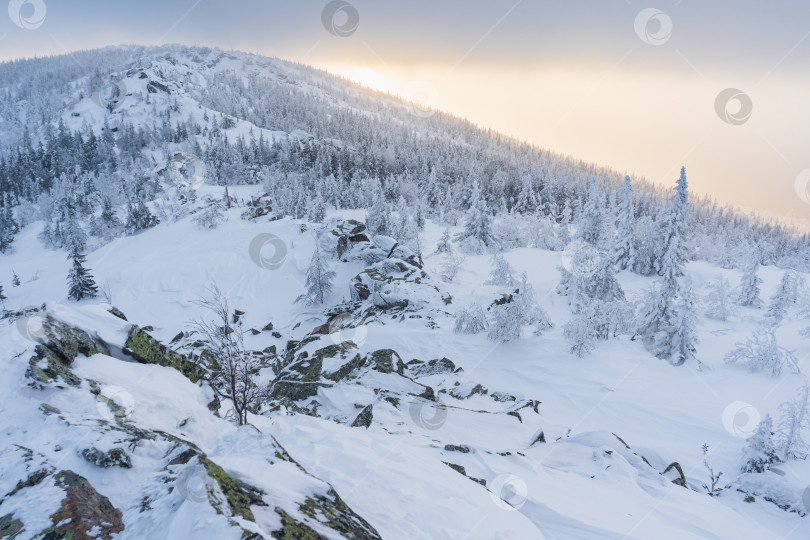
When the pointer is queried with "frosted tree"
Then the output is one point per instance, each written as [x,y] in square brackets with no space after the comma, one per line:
[8,226]
[452,265]
[719,303]
[580,332]
[685,323]
[795,419]
[623,254]
[514,311]
[2,296]
[445,245]
[317,209]
[15,279]
[231,367]
[471,320]
[502,272]
[377,217]
[211,216]
[786,296]
[645,246]
[80,283]
[675,236]
[477,233]
[320,279]
[592,221]
[527,199]
[760,450]
[761,352]
[748,295]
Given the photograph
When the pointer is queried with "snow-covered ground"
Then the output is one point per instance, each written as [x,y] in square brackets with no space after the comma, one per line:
[581,483]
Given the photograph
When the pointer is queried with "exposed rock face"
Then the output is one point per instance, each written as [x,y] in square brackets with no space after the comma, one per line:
[302,378]
[60,345]
[115,457]
[84,512]
[147,350]
[364,418]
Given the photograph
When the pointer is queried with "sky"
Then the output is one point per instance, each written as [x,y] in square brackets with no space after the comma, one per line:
[718,86]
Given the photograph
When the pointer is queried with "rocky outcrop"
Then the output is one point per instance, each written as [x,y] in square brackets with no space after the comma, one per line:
[147,350]
[364,418]
[84,513]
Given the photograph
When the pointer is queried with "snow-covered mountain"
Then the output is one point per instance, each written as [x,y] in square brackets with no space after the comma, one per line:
[307,310]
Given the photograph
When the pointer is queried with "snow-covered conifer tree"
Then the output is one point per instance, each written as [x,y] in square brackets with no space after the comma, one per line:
[502,272]
[760,451]
[786,296]
[623,254]
[444,245]
[592,222]
[471,320]
[762,352]
[749,286]
[80,282]
[15,279]
[675,235]
[477,233]
[527,199]
[719,304]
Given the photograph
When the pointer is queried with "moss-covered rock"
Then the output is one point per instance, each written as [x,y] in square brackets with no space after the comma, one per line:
[115,457]
[302,378]
[84,512]
[330,510]
[240,496]
[10,526]
[384,360]
[147,350]
[346,369]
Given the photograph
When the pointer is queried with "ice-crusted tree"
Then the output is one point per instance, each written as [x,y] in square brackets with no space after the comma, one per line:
[8,226]
[452,264]
[748,294]
[762,352]
[527,199]
[514,311]
[80,282]
[445,244]
[317,209]
[592,221]
[2,296]
[795,418]
[580,332]
[477,233]
[15,279]
[719,301]
[211,216]
[320,279]
[760,449]
[675,236]
[645,246]
[471,320]
[786,296]
[502,272]
[623,253]
[232,369]
[685,322]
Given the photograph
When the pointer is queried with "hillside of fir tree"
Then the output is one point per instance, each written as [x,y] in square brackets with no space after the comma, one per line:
[245,298]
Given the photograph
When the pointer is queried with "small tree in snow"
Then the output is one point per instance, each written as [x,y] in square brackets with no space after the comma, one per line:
[581,333]
[502,272]
[785,297]
[445,245]
[211,216]
[319,279]
[471,320]
[80,282]
[514,311]
[719,303]
[761,352]
[623,254]
[452,265]
[2,296]
[795,419]
[232,368]
[477,233]
[748,295]
[15,279]
[760,451]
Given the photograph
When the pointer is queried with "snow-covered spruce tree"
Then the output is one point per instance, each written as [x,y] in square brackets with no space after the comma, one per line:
[667,317]
[761,352]
[527,199]
[674,234]
[645,246]
[477,233]
[317,209]
[2,296]
[470,320]
[786,296]
[445,245]
[794,420]
[502,272]
[377,217]
[15,279]
[592,222]
[232,368]
[8,227]
[748,295]
[719,302]
[139,217]
[80,283]
[320,279]
[760,450]
[623,253]
[580,332]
